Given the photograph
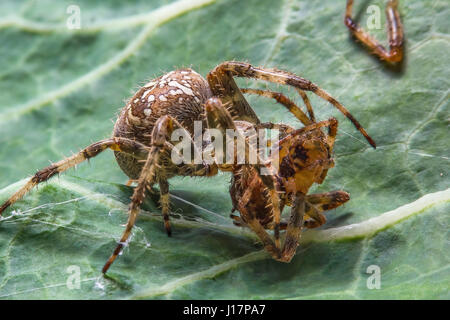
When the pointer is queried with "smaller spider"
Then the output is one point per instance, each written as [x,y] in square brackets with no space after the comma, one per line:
[177,100]
[395,33]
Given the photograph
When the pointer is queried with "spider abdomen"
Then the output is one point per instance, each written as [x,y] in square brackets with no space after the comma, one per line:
[180,94]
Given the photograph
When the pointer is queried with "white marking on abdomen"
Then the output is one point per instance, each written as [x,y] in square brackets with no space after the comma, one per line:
[179,86]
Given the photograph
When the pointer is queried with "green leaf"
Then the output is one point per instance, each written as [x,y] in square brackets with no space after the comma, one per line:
[60,89]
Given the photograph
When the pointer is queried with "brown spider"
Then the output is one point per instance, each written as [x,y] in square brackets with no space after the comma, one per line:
[141,142]
[395,33]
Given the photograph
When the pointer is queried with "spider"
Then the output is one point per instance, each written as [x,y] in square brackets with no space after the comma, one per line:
[142,147]
[395,33]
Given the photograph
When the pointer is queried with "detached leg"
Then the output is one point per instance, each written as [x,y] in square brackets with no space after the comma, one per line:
[134,148]
[395,33]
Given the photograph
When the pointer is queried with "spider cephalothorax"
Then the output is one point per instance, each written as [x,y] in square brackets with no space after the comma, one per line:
[177,101]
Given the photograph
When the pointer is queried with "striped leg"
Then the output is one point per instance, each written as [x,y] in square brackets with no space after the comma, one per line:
[131,147]
[317,203]
[331,138]
[307,104]
[253,223]
[395,33]
[160,134]
[165,203]
[285,101]
[278,126]
[332,122]
[229,69]
[294,228]
[297,218]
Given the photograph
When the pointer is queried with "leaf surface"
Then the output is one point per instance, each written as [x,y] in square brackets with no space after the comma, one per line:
[61,88]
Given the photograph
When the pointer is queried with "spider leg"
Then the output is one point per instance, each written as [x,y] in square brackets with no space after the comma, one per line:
[160,134]
[294,227]
[223,86]
[226,70]
[188,169]
[314,205]
[283,100]
[199,170]
[128,146]
[237,221]
[253,223]
[130,182]
[331,138]
[283,129]
[326,123]
[395,33]
[218,117]
[328,200]
[297,220]
[270,125]
[317,203]
[165,203]
[307,104]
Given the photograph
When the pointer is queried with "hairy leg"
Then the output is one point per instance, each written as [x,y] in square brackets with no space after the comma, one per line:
[294,227]
[307,104]
[226,70]
[131,147]
[160,134]
[253,223]
[317,203]
[331,138]
[165,203]
[283,100]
